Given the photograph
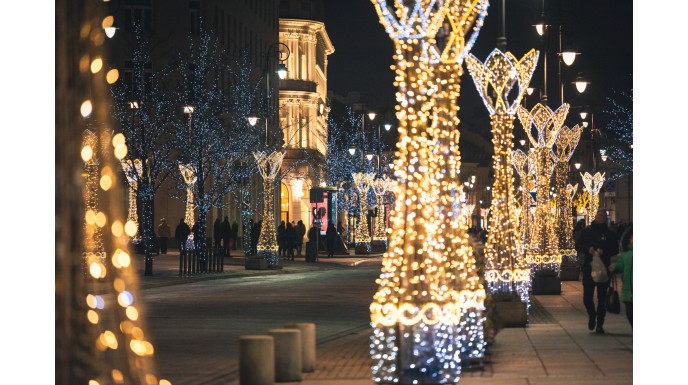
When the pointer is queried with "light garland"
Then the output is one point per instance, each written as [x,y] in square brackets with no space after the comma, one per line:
[129,169]
[363,182]
[417,311]
[269,165]
[189,175]
[121,350]
[525,169]
[504,262]
[381,187]
[563,149]
[542,254]
[94,220]
[592,185]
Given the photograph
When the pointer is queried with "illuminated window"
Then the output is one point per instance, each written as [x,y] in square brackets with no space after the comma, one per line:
[284,202]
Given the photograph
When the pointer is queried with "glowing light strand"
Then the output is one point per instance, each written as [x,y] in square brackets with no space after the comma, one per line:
[592,185]
[563,149]
[269,166]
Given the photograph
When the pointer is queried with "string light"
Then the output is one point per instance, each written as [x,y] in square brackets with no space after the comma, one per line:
[363,182]
[130,168]
[505,267]
[189,175]
[269,166]
[381,187]
[94,250]
[418,309]
[563,149]
[592,185]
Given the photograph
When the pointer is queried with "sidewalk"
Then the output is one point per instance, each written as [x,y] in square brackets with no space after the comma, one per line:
[556,348]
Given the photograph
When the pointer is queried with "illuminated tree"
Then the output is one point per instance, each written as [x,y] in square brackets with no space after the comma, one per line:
[417,311]
[619,141]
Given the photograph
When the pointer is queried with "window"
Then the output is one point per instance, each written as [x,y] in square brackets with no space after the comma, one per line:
[138,78]
[195,17]
[138,12]
[284,202]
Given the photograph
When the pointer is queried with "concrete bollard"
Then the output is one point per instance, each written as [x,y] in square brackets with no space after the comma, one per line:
[307,345]
[256,360]
[287,354]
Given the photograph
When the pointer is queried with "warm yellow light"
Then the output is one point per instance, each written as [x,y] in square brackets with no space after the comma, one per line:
[105,182]
[96,65]
[132,313]
[117,376]
[119,283]
[164,382]
[130,228]
[112,76]
[86,108]
[86,153]
[117,228]
[569,57]
[108,21]
[101,219]
[110,339]
[118,140]
[121,259]
[121,151]
[91,301]
[97,270]
[93,382]
[92,316]
[90,217]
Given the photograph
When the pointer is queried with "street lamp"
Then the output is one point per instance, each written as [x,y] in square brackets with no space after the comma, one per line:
[581,83]
[577,165]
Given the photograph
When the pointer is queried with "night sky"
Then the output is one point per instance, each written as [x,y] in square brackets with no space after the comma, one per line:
[602,30]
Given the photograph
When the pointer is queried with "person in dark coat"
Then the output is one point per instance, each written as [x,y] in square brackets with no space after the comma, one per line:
[181,234]
[226,232]
[300,233]
[281,249]
[217,232]
[330,236]
[596,238]
[255,235]
[290,240]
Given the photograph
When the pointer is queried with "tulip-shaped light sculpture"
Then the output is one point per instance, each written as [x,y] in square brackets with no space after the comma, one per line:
[381,187]
[525,169]
[563,149]
[417,309]
[132,171]
[189,175]
[363,182]
[592,185]
[505,269]
[269,166]
[542,254]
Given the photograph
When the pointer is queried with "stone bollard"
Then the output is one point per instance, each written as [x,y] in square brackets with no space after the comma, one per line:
[256,360]
[307,345]
[287,354]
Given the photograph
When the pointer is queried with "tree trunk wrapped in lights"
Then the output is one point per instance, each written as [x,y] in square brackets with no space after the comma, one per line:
[269,165]
[363,181]
[542,253]
[94,251]
[505,269]
[381,187]
[525,170]
[592,185]
[564,145]
[189,176]
[130,168]
[418,308]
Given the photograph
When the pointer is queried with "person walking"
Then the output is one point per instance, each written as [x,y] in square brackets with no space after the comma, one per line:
[217,233]
[290,240]
[624,265]
[281,249]
[596,239]
[226,234]
[164,234]
[181,234]
[330,236]
[300,233]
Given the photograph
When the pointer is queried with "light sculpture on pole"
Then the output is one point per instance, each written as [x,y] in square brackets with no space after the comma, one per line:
[592,185]
[542,253]
[130,169]
[563,149]
[381,187]
[189,175]
[269,165]
[505,269]
[417,310]
[525,169]
[94,249]
[363,182]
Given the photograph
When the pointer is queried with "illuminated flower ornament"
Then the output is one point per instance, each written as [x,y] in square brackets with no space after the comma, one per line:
[381,187]
[505,269]
[363,182]
[563,149]
[189,175]
[592,185]
[132,171]
[417,311]
[542,253]
[522,165]
[462,21]
[269,165]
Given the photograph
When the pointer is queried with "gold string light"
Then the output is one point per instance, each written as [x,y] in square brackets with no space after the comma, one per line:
[381,187]
[563,149]
[94,250]
[417,311]
[130,168]
[189,175]
[363,181]
[505,267]
[592,185]
[269,166]
[542,254]
[525,170]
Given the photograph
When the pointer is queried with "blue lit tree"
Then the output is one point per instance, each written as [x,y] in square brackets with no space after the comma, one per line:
[619,129]
[145,109]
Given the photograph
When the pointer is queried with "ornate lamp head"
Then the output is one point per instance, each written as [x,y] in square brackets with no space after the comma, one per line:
[566,143]
[188,173]
[547,123]
[502,71]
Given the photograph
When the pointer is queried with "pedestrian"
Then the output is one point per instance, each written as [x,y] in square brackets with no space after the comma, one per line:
[624,265]
[181,234]
[330,236]
[217,233]
[300,233]
[281,250]
[596,239]
[226,233]
[313,241]
[164,234]
[255,235]
[290,240]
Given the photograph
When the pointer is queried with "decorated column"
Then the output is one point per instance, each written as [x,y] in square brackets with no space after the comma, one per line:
[269,165]
[381,187]
[592,185]
[506,272]
[131,169]
[542,253]
[94,220]
[189,175]
[363,182]
[525,170]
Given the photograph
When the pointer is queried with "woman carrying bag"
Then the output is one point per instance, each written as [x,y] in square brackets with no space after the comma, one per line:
[625,266]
